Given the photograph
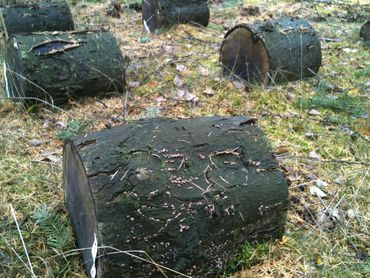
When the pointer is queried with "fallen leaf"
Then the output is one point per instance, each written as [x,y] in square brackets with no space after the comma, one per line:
[35,142]
[203,71]
[209,91]
[239,85]
[321,183]
[314,112]
[314,155]
[180,68]
[178,82]
[134,84]
[314,190]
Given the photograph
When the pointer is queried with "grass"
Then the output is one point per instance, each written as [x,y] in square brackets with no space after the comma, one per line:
[339,92]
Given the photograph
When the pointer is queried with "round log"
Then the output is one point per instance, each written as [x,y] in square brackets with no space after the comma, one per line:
[57,67]
[186,193]
[272,51]
[365,32]
[165,13]
[36,17]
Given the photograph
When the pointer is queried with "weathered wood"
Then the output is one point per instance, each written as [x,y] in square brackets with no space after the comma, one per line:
[165,13]
[37,17]
[272,51]
[187,192]
[57,67]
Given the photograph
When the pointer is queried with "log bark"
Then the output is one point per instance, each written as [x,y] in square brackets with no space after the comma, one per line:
[57,67]
[165,13]
[272,51]
[187,192]
[365,32]
[37,17]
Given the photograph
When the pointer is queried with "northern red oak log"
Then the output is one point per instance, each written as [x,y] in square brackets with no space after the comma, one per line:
[165,13]
[187,192]
[61,66]
[271,51]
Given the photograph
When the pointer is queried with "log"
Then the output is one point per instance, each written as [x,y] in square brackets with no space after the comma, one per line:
[165,13]
[36,17]
[272,51]
[57,67]
[365,32]
[187,192]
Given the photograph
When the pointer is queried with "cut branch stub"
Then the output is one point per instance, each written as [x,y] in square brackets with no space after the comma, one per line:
[165,13]
[271,51]
[57,67]
[37,17]
[186,194]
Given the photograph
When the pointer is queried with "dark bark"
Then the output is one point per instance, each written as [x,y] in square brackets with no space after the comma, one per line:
[272,51]
[57,67]
[188,192]
[365,32]
[165,13]
[37,17]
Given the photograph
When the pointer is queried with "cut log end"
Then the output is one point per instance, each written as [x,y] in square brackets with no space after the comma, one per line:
[80,203]
[245,55]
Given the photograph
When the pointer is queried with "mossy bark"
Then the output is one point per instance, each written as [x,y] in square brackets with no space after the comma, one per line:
[187,192]
[57,67]
[272,51]
[165,13]
[37,17]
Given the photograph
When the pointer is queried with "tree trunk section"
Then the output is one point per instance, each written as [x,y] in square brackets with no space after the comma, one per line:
[187,192]
[57,67]
[37,17]
[165,13]
[272,51]
[365,33]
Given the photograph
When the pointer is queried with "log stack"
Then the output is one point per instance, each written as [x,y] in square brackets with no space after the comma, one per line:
[271,51]
[57,67]
[165,13]
[184,193]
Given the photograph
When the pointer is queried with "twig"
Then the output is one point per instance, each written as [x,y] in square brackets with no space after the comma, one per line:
[21,237]
[334,161]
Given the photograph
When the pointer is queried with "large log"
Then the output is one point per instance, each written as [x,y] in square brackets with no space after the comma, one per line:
[365,32]
[272,51]
[165,13]
[57,67]
[36,17]
[187,192]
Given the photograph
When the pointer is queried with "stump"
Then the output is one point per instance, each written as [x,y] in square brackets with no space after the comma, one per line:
[272,51]
[365,32]
[187,192]
[57,67]
[37,17]
[165,13]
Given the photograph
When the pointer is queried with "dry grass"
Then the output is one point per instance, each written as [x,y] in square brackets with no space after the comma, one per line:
[28,181]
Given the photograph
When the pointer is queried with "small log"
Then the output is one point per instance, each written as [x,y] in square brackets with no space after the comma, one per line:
[187,192]
[365,32]
[37,17]
[165,13]
[57,67]
[272,51]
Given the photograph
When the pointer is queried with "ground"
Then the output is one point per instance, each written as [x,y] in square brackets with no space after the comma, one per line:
[317,128]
